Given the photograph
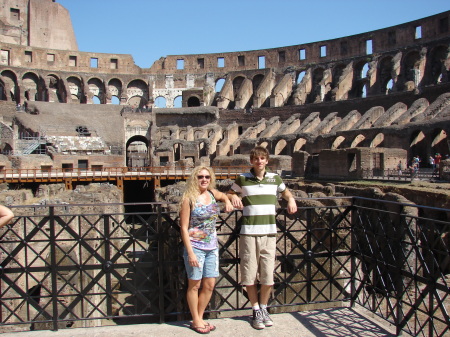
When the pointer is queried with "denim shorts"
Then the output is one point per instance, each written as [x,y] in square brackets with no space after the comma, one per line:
[208,261]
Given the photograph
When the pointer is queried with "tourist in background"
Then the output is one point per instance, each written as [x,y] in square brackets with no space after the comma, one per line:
[6,216]
[198,214]
[259,189]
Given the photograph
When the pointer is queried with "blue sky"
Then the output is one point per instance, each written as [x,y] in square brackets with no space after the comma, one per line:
[150,29]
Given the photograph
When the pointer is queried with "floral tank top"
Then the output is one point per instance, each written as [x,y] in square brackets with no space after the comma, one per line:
[202,225]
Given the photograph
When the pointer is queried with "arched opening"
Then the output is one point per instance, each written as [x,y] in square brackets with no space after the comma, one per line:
[115,100]
[418,146]
[115,90]
[137,152]
[440,142]
[96,100]
[337,142]
[160,102]
[177,102]
[357,141]
[96,88]
[219,84]
[137,88]
[300,77]
[193,101]
[75,89]
[300,144]
[377,141]
[280,148]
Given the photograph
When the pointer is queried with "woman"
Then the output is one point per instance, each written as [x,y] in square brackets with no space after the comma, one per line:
[198,214]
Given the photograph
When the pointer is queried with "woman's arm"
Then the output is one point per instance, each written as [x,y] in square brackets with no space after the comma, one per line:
[185,214]
[223,197]
[6,215]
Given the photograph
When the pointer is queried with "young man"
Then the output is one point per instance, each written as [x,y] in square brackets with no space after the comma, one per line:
[257,245]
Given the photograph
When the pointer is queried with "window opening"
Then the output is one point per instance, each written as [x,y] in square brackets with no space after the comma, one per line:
[368,47]
[443,25]
[14,14]
[344,48]
[4,57]
[94,62]
[177,102]
[392,38]
[50,57]
[201,63]
[323,51]
[261,62]
[241,60]
[72,61]
[114,64]
[28,56]
[418,34]
[220,62]
[302,54]
[281,56]
[180,64]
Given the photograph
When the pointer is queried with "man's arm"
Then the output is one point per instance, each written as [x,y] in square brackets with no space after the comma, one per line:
[292,204]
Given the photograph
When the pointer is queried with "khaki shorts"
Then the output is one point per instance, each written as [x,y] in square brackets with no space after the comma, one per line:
[257,255]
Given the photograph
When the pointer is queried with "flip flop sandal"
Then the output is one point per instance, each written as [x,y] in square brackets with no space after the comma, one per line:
[200,329]
[211,327]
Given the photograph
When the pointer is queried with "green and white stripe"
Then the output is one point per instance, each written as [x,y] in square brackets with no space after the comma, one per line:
[259,198]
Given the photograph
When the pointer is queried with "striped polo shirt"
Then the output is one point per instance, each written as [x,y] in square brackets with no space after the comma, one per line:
[259,198]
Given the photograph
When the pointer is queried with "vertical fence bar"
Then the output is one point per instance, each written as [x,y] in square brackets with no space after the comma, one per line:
[53,268]
[353,218]
[107,264]
[159,231]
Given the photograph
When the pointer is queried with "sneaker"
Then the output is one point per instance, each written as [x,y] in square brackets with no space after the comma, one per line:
[266,318]
[258,320]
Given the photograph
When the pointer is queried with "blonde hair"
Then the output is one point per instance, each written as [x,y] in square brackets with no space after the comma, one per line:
[192,191]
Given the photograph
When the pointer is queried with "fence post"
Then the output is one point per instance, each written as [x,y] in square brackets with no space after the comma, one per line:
[107,265]
[353,255]
[159,231]
[51,222]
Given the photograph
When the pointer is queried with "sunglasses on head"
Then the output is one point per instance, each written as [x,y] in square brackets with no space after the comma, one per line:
[205,177]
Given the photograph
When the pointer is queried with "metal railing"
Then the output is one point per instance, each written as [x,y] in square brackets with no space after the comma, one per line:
[74,265]
[50,173]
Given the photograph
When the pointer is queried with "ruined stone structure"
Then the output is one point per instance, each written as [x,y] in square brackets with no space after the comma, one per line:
[380,92]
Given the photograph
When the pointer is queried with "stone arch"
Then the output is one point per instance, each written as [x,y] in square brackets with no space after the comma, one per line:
[114,90]
[337,142]
[280,148]
[237,82]
[418,146]
[137,93]
[177,150]
[437,71]
[202,149]
[177,101]
[193,101]
[75,87]
[137,151]
[411,68]
[300,144]
[219,84]
[160,102]
[358,140]
[385,73]
[256,81]
[198,134]
[11,88]
[96,88]
[439,141]
[316,92]
[300,76]
[182,135]
[378,140]
[56,91]
[264,144]
[30,83]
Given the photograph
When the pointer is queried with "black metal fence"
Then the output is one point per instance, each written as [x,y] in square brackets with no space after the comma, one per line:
[76,265]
